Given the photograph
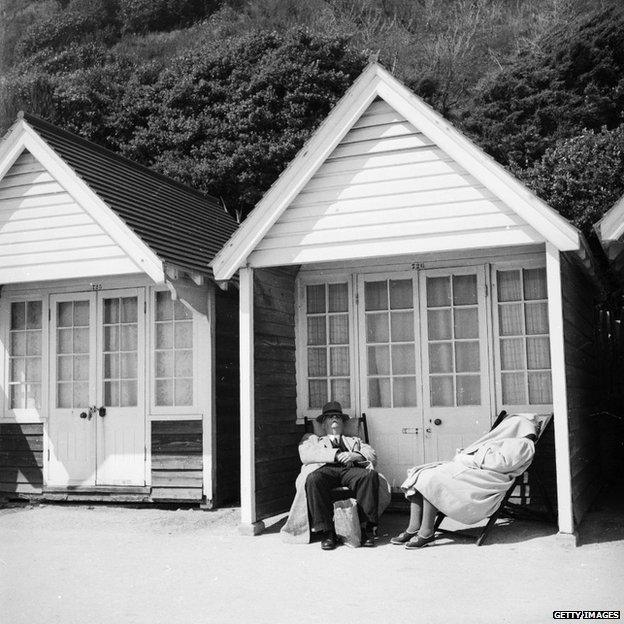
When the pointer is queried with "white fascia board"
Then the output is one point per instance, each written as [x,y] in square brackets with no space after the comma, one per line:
[610,228]
[312,155]
[11,147]
[145,259]
[493,176]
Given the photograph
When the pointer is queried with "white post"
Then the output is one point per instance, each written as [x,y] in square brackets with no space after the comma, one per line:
[560,399]
[248,525]
[207,393]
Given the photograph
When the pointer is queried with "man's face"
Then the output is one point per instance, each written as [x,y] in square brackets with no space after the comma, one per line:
[334,425]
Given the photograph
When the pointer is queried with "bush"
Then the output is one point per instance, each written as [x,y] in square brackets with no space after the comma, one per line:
[581,177]
[141,16]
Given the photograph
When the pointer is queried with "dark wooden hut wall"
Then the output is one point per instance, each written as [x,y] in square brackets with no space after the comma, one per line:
[277,435]
[583,381]
[21,459]
[177,460]
[227,397]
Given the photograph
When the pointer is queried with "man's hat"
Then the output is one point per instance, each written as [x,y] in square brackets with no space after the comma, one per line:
[333,408]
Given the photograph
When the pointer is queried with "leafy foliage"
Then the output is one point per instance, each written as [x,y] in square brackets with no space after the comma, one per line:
[573,80]
[141,16]
[581,177]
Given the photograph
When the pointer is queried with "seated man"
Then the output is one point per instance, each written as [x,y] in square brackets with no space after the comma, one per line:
[330,461]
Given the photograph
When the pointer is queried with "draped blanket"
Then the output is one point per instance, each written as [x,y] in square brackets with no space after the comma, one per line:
[315,451]
[471,486]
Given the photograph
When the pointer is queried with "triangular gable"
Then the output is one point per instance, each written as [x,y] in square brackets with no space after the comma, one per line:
[333,177]
[53,226]
[610,229]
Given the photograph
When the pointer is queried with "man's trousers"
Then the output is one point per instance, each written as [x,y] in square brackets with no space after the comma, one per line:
[364,483]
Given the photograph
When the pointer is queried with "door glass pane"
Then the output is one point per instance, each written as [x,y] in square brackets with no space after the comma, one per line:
[514,388]
[464,289]
[512,353]
[339,361]
[403,359]
[73,347]
[510,319]
[536,315]
[341,392]
[401,294]
[538,352]
[120,350]
[402,326]
[509,286]
[378,360]
[379,393]
[338,329]
[315,298]
[452,319]
[338,295]
[404,391]
[468,390]
[442,391]
[540,388]
[377,327]
[317,362]
[317,393]
[376,295]
[534,283]
[438,292]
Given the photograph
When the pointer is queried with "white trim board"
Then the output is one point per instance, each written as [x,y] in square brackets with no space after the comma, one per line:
[22,137]
[372,83]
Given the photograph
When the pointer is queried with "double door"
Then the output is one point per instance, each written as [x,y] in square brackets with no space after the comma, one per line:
[424,379]
[96,428]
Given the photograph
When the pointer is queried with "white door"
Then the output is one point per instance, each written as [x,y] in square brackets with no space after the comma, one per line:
[120,390]
[97,417]
[71,427]
[456,390]
[390,386]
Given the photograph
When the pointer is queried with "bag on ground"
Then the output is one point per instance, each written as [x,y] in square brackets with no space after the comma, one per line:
[347,522]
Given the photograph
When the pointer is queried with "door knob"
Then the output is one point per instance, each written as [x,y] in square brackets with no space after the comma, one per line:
[83,414]
[102,411]
[437,421]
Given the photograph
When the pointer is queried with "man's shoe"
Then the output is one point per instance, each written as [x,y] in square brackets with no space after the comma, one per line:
[401,538]
[329,542]
[418,541]
[368,541]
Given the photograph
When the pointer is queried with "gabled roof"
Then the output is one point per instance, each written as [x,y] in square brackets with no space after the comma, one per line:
[376,82]
[164,221]
[610,229]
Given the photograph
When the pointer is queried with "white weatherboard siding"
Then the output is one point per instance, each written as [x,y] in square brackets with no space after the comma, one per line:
[45,234]
[387,189]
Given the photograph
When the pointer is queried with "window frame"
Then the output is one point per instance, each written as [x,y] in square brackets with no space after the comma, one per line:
[24,415]
[302,281]
[515,265]
[171,410]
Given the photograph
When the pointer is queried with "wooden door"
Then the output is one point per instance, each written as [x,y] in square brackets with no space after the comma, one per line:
[120,388]
[390,386]
[71,426]
[456,390]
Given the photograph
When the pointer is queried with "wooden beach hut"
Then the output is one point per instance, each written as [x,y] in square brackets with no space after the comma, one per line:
[395,267]
[112,332]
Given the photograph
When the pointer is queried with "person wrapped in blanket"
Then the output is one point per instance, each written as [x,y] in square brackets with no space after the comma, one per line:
[471,486]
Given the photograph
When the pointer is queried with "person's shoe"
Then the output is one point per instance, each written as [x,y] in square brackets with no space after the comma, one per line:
[368,540]
[401,538]
[418,541]
[329,541]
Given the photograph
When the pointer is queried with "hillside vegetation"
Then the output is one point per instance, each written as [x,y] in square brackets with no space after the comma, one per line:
[221,94]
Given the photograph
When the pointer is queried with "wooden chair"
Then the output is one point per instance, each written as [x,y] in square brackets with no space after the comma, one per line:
[354,427]
[543,421]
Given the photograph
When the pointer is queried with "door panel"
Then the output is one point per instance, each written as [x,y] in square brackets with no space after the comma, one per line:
[121,428]
[390,371]
[456,395]
[72,367]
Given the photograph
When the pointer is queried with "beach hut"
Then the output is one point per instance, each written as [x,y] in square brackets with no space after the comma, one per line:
[112,332]
[395,267]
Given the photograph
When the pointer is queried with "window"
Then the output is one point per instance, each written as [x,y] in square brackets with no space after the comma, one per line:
[327,344]
[173,353]
[454,342]
[524,344]
[390,343]
[25,343]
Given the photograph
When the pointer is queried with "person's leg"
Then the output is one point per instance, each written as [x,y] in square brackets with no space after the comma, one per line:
[416,513]
[318,490]
[428,519]
[364,483]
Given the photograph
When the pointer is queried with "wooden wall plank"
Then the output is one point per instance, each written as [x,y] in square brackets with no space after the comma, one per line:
[21,458]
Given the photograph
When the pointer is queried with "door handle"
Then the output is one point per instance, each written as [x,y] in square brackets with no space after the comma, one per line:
[102,411]
[408,430]
[428,429]
[83,414]
[437,421]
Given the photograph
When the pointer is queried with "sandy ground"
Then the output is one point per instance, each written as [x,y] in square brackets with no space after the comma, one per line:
[90,564]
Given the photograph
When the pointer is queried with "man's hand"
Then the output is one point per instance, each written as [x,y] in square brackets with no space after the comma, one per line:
[348,457]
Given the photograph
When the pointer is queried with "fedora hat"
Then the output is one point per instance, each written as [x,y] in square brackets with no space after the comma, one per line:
[333,408]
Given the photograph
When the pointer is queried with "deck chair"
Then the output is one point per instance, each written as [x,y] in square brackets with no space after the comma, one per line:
[543,420]
[354,427]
